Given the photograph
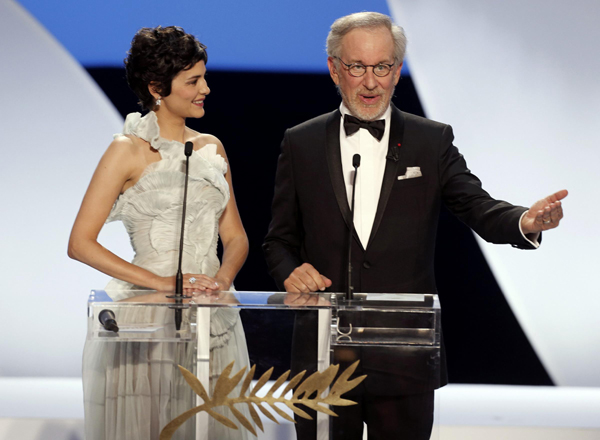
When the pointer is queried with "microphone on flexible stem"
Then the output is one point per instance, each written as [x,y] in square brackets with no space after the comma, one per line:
[349,286]
[189,147]
[108,321]
[393,153]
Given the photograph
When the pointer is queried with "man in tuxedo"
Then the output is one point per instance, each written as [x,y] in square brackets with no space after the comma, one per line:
[409,167]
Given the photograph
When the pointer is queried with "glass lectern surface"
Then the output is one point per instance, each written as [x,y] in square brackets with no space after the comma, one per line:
[237,360]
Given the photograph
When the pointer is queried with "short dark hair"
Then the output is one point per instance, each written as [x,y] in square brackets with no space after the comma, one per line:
[156,56]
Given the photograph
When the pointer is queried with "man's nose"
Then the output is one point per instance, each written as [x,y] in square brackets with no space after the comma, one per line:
[369,79]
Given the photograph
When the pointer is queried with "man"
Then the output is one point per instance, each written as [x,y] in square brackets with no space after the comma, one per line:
[409,167]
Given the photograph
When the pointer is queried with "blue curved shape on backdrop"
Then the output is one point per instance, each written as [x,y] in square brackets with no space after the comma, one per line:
[272,35]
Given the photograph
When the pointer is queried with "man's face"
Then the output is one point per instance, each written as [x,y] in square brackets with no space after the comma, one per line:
[368,96]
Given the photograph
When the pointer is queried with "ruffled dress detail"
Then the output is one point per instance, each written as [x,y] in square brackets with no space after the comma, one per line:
[128,385]
[151,209]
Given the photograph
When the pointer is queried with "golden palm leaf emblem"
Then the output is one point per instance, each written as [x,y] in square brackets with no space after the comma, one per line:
[309,393]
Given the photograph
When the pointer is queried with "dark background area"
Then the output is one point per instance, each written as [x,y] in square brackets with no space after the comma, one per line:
[249,112]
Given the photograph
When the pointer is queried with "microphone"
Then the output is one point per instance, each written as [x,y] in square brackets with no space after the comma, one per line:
[393,153]
[107,319]
[349,286]
[189,147]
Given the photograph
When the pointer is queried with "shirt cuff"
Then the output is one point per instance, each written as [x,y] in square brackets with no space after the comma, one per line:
[531,238]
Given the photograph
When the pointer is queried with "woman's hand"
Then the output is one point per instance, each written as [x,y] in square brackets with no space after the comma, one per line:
[204,283]
[194,282]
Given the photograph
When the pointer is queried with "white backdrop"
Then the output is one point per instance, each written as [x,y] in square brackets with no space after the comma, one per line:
[55,123]
[518,81]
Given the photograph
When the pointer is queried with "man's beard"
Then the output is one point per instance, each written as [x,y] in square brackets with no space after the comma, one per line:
[361,113]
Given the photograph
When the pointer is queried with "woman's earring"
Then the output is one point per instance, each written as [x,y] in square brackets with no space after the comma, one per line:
[158,101]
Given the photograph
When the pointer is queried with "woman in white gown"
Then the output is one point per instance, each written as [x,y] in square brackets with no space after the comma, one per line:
[140,181]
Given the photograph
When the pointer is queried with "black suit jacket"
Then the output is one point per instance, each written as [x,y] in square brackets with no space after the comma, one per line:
[311,213]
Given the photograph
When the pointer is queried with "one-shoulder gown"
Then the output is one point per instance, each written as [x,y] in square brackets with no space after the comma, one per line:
[128,385]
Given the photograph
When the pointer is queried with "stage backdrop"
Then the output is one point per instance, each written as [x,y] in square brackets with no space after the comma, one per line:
[55,124]
[514,80]
[518,81]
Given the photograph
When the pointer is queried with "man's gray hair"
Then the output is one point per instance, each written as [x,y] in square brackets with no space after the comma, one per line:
[365,20]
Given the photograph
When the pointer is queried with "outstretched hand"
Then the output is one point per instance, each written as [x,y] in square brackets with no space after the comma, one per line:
[544,214]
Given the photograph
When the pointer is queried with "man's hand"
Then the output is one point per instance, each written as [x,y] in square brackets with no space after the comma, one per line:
[305,279]
[544,214]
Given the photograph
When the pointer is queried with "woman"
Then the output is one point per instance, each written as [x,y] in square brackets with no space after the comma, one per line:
[140,181]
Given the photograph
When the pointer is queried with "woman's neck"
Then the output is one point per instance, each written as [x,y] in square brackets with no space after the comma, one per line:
[172,128]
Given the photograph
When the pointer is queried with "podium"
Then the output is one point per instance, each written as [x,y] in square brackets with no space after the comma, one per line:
[255,361]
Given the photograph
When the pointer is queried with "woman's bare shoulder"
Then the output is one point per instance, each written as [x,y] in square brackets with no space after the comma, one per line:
[122,145]
[128,145]
[127,152]
[128,142]
[202,139]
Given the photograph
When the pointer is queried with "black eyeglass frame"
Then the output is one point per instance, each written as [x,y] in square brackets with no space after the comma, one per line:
[350,66]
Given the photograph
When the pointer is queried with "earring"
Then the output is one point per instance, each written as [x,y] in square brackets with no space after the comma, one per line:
[158,101]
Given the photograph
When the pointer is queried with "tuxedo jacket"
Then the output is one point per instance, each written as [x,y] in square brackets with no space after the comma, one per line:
[311,215]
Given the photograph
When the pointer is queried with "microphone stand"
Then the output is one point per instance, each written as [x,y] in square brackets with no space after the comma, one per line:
[189,147]
[349,286]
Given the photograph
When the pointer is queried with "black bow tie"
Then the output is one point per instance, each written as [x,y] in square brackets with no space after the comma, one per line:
[352,124]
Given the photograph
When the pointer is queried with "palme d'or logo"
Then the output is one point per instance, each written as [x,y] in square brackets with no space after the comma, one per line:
[315,385]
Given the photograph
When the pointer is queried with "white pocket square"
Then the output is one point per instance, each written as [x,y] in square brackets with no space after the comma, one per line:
[411,172]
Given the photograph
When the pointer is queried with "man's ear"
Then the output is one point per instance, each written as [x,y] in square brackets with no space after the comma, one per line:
[333,71]
[397,73]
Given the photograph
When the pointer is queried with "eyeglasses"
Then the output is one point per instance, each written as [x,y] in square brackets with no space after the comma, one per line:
[357,69]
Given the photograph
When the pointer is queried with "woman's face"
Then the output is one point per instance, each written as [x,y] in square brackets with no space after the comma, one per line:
[188,92]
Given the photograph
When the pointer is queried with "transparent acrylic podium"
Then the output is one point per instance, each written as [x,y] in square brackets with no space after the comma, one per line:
[132,379]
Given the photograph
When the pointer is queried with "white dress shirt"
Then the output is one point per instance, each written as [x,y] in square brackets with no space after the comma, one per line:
[370,173]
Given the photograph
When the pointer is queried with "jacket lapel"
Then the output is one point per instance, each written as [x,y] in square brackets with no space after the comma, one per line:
[334,164]
[391,167]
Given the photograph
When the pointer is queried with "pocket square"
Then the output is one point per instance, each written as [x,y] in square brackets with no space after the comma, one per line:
[411,172]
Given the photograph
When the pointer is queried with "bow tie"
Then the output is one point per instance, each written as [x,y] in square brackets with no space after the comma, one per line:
[352,124]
